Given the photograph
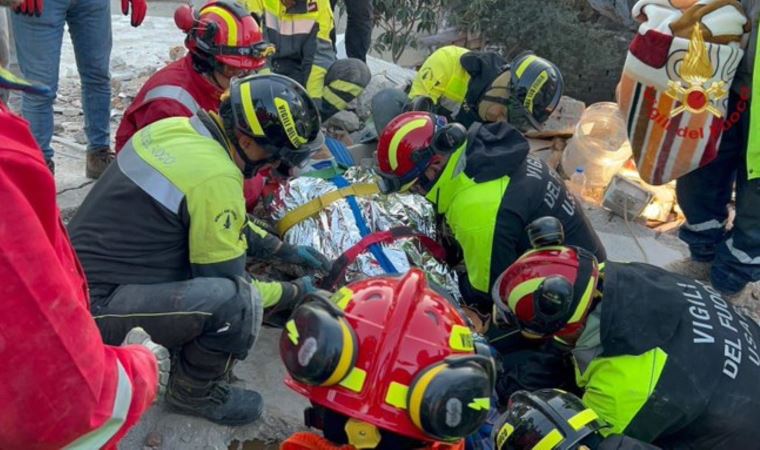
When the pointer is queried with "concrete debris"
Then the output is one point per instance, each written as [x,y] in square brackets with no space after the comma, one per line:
[377,84]
[345,120]
[563,121]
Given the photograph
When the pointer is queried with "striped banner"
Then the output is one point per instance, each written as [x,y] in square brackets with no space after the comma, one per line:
[666,148]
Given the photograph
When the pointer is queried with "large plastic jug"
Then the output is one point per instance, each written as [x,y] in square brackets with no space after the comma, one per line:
[600,145]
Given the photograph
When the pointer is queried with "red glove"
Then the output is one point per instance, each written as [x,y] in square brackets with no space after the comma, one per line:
[139,8]
[29,7]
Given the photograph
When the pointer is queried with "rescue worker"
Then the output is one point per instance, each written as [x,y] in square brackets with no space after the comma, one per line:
[61,386]
[163,237]
[662,358]
[301,30]
[468,86]
[419,384]
[554,419]
[730,259]
[196,81]
[487,187]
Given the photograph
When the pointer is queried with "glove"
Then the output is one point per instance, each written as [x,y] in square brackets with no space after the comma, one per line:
[303,256]
[138,336]
[293,293]
[29,7]
[139,8]
[12,82]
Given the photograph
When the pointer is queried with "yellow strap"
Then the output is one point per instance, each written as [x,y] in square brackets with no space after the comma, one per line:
[313,207]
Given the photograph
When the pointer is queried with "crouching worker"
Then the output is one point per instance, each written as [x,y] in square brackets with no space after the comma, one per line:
[223,41]
[468,86]
[387,363]
[487,187]
[551,419]
[61,387]
[661,357]
[163,237]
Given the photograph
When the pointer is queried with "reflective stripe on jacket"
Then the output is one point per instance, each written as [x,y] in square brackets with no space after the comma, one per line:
[177,90]
[61,386]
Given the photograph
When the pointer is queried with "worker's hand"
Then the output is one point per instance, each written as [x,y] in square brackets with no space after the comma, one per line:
[28,7]
[138,336]
[303,256]
[139,8]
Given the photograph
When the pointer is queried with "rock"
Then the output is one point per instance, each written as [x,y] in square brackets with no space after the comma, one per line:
[364,101]
[563,121]
[617,10]
[153,440]
[345,120]
[177,52]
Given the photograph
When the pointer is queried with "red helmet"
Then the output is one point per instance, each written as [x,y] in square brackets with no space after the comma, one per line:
[408,143]
[392,355]
[548,290]
[223,32]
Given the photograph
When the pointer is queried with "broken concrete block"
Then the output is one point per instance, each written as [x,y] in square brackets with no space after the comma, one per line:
[364,101]
[563,121]
[345,120]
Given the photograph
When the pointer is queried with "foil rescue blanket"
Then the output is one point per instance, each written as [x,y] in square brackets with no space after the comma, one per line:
[334,229]
[674,89]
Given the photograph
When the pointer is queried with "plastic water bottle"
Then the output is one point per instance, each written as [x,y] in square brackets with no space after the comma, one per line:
[577,183]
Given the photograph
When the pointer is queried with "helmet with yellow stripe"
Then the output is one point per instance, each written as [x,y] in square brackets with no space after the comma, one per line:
[393,359]
[277,113]
[409,142]
[535,90]
[548,419]
[549,290]
[223,33]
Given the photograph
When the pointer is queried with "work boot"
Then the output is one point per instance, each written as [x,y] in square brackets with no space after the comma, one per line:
[214,400]
[97,162]
[690,268]
[50,165]
[198,387]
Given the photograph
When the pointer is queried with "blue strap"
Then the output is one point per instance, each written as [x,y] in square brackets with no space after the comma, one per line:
[364,230]
[340,152]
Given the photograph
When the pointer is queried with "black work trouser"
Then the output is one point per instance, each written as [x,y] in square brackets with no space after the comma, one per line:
[218,315]
[358,28]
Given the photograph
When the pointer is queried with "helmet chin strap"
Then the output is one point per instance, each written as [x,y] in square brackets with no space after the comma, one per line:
[250,167]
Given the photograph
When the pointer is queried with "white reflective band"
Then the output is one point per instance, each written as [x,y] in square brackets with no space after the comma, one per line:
[150,180]
[173,93]
[704,226]
[200,127]
[97,438]
[741,255]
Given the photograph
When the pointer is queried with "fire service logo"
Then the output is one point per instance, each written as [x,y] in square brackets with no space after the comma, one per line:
[696,70]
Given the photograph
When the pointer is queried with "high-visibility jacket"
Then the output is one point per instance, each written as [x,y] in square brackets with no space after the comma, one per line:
[749,72]
[302,38]
[455,78]
[170,208]
[61,387]
[490,190]
[177,90]
[665,359]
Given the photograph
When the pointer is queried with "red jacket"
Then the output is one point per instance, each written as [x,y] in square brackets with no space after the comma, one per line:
[58,382]
[174,91]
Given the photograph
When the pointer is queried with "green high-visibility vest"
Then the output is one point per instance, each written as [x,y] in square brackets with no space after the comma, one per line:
[753,146]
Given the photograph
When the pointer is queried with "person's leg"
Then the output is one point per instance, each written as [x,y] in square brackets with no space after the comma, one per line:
[38,48]
[737,259]
[90,28]
[207,323]
[704,195]
[358,28]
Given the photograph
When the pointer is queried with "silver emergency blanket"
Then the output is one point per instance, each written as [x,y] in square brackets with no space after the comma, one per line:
[334,230]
